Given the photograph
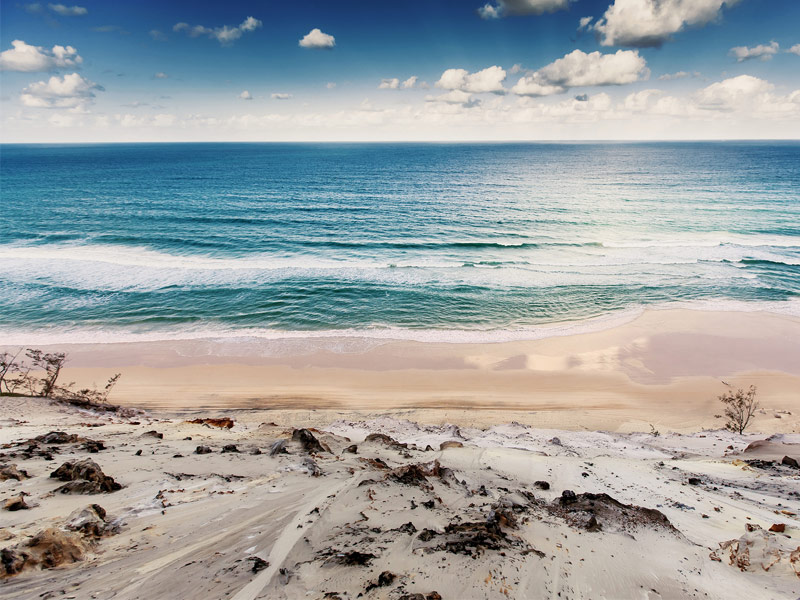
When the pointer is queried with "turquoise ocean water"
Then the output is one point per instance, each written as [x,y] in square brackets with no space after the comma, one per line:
[428,241]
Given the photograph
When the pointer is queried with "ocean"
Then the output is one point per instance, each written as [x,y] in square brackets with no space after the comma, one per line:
[473,242]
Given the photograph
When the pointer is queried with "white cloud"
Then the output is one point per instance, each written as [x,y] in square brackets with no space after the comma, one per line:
[281,96]
[157,35]
[795,49]
[68,11]
[455,97]
[578,69]
[488,80]
[734,93]
[245,95]
[224,35]
[27,58]
[70,91]
[584,23]
[161,75]
[316,39]
[644,23]
[410,82]
[521,7]
[761,52]
[330,85]
[389,84]
[678,75]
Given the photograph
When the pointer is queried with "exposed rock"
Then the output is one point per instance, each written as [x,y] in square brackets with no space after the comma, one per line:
[307,440]
[778,527]
[416,475]
[353,449]
[203,450]
[695,481]
[386,578]
[278,447]
[351,558]
[93,446]
[450,444]
[594,511]
[12,472]
[758,550]
[16,503]
[153,433]
[91,522]
[58,437]
[790,462]
[84,477]
[568,497]
[406,528]
[380,438]
[47,549]
[229,448]
[259,564]
[221,422]
[313,468]
[542,485]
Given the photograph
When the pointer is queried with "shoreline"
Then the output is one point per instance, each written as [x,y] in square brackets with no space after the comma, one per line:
[664,367]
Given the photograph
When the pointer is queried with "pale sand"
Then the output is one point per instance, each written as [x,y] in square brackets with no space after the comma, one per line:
[664,368]
[480,528]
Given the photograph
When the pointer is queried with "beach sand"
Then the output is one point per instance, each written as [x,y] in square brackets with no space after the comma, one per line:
[665,367]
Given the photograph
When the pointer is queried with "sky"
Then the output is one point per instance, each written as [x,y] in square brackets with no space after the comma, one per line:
[449,70]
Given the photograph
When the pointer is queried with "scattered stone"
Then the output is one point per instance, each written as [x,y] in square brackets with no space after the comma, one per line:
[153,433]
[384,439]
[790,462]
[555,441]
[229,448]
[351,558]
[12,472]
[47,549]
[58,437]
[256,451]
[695,481]
[416,475]
[93,446]
[386,578]
[307,440]
[91,522]
[313,468]
[407,528]
[16,503]
[593,511]
[84,477]
[542,485]
[568,497]
[352,449]
[450,444]
[221,422]
[778,527]
[203,450]
[278,447]
[759,550]
[259,564]
[138,453]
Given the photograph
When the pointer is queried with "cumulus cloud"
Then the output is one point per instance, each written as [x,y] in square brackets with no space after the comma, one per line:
[316,39]
[795,49]
[410,82]
[389,84]
[733,93]
[761,52]
[225,35]
[678,75]
[584,23]
[69,91]
[281,96]
[488,80]
[647,23]
[27,58]
[504,8]
[459,97]
[578,69]
[68,11]
[245,95]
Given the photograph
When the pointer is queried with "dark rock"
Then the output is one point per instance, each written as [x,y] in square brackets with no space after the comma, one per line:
[429,504]
[695,481]
[278,447]
[229,448]
[407,528]
[91,522]
[16,503]
[153,433]
[138,453]
[353,449]
[416,475]
[790,462]
[84,477]
[384,579]
[555,441]
[313,468]
[256,451]
[58,437]
[259,564]
[778,527]
[202,450]
[307,440]
[48,549]
[568,497]
[93,446]
[12,472]
[352,558]
[587,510]
[542,485]
[381,438]
[426,535]
[375,463]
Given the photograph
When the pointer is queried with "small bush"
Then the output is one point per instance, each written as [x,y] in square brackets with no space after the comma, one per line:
[740,408]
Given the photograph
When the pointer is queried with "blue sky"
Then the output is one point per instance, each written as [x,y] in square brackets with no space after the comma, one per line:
[506,69]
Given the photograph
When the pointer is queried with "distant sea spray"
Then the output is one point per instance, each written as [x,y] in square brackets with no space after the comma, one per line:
[416,241]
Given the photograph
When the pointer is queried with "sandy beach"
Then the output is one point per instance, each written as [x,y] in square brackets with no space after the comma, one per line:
[664,367]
